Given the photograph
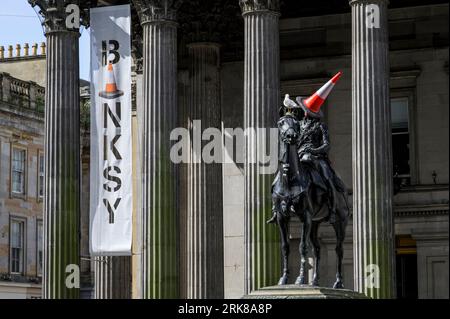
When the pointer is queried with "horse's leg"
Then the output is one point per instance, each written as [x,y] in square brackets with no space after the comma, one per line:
[316,252]
[339,228]
[283,223]
[306,229]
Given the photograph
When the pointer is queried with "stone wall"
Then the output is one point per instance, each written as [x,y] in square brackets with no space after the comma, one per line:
[232,77]
[19,129]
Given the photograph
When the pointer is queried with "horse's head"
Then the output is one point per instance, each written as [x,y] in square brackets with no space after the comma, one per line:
[289,129]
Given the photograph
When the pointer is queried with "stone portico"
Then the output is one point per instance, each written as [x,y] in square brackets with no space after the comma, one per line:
[227,66]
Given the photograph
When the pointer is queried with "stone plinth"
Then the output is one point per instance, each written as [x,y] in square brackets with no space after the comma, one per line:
[303,292]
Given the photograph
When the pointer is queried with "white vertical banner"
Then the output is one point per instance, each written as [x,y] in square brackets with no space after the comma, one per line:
[111,203]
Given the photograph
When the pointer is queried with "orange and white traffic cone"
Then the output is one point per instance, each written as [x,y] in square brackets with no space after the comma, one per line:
[111,91]
[312,104]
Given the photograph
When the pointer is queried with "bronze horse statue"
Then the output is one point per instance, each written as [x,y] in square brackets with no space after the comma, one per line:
[294,193]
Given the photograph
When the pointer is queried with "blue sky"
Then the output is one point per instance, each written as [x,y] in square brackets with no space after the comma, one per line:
[19,23]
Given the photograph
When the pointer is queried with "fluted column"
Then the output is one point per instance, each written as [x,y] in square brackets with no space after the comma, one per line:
[62,156]
[112,277]
[261,102]
[62,164]
[374,271]
[159,177]
[204,253]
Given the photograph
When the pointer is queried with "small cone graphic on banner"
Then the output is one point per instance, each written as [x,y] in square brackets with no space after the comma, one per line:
[111,91]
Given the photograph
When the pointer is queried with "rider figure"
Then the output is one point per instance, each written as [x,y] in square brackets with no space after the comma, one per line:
[314,144]
[313,148]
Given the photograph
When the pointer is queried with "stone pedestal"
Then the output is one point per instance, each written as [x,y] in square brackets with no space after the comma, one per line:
[303,292]
[373,231]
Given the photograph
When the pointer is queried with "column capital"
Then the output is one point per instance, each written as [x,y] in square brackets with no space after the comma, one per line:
[152,11]
[56,12]
[367,2]
[249,6]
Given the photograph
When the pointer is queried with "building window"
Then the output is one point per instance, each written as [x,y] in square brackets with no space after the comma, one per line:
[406,267]
[18,166]
[17,246]
[40,175]
[40,243]
[401,140]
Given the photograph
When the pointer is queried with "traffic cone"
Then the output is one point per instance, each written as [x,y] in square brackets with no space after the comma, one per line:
[312,104]
[111,91]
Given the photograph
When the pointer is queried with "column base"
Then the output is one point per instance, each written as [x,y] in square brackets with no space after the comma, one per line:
[303,292]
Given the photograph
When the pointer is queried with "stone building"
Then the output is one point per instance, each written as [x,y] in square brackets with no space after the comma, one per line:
[21,190]
[227,63]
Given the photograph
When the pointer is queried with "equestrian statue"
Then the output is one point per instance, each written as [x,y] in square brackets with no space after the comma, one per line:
[306,186]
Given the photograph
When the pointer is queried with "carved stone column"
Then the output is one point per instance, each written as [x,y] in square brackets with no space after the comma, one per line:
[86,263]
[62,155]
[204,260]
[373,232]
[160,278]
[261,102]
[113,277]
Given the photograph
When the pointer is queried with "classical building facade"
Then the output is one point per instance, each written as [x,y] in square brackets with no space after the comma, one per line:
[21,190]
[227,63]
